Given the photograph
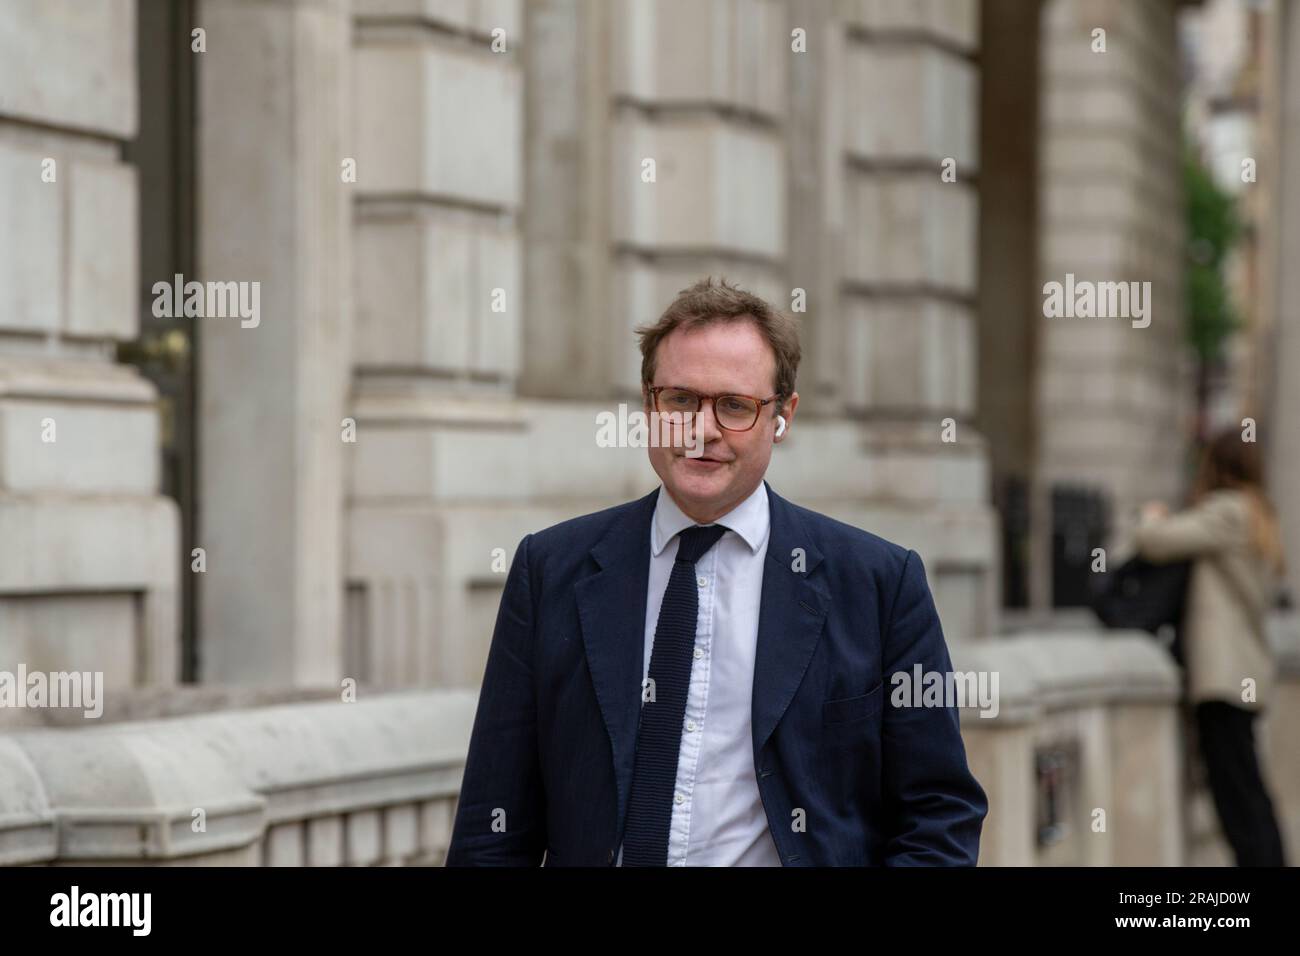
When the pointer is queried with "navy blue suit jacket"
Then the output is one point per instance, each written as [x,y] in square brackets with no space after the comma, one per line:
[551,753]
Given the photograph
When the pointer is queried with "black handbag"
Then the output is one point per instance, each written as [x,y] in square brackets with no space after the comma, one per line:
[1145,596]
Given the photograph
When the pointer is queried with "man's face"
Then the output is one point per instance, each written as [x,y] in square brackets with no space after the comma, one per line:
[729,357]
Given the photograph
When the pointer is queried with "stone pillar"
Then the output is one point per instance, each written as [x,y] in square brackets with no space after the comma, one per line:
[815,138]
[273,99]
[885,232]
[1113,399]
[568,341]
[440,309]
[1281,435]
[88,549]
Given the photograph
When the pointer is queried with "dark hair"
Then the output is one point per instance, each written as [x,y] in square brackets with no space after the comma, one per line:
[1228,461]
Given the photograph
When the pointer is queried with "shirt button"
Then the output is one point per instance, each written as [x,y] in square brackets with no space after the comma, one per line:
[702,581]
[698,653]
[678,798]
[690,725]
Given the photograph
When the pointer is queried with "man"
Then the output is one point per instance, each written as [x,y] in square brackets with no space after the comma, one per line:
[698,677]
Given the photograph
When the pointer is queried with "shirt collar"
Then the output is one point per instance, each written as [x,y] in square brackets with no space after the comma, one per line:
[749,520]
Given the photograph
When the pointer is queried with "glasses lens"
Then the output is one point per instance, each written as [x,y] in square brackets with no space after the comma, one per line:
[676,404]
[736,411]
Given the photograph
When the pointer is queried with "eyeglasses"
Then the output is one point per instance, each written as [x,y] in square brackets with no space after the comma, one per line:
[735,413]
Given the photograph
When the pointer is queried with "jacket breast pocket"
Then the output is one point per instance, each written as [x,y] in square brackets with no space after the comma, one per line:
[848,709]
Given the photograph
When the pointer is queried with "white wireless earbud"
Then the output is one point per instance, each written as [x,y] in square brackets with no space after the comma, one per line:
[780,425]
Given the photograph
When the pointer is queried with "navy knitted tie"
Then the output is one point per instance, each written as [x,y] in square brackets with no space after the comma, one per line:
[654,774]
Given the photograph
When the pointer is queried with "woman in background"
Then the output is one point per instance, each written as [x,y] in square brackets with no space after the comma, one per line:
[1231,534]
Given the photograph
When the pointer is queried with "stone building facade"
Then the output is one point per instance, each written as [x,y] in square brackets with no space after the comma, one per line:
[457,211]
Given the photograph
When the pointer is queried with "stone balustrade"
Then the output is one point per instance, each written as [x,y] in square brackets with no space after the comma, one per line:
[318,784]
[327,783]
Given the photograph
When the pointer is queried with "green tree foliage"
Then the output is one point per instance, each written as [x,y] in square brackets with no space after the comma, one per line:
[1212,229]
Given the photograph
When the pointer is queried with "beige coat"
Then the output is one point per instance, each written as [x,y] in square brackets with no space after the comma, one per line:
[1231,590]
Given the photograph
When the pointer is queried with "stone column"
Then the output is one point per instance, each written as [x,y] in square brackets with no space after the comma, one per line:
[893,195]
[88,549]
[1113,399]
[440,457]
[1281,435]
[273,99]
[567,343]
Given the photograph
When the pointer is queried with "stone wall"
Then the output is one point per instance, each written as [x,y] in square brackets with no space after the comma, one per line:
[1282,287]
[466,303]
[440,307]
[508,240]
[1085,755]
[89,554]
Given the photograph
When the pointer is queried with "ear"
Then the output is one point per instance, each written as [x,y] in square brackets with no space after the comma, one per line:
[787,415]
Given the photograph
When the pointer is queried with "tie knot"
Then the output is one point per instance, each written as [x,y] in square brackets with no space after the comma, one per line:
[694,541]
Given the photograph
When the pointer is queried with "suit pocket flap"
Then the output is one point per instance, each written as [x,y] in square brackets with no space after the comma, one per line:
[853,708]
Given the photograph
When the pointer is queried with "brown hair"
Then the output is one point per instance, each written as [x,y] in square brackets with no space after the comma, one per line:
[705,303]
[1230,462]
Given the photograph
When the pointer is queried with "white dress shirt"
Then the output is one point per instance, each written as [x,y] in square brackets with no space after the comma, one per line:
[718,816]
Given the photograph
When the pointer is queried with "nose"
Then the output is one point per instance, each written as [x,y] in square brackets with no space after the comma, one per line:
[706,420]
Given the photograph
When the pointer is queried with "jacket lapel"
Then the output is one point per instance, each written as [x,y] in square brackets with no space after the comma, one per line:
[611,609]
[792,610]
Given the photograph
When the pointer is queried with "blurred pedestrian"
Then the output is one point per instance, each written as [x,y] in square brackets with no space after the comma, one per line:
[1230,533]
